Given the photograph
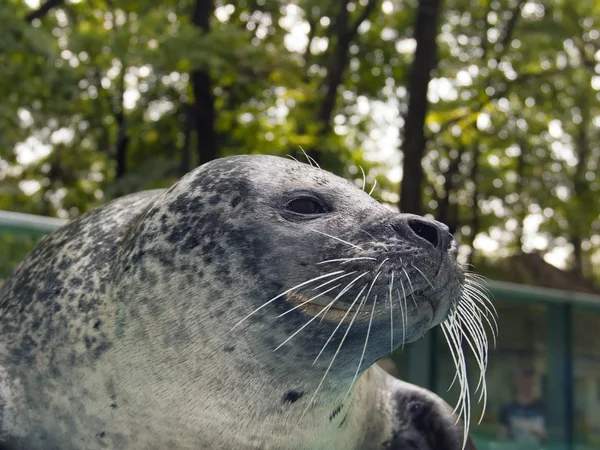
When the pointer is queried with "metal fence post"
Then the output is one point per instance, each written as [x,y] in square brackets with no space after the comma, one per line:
[559,388]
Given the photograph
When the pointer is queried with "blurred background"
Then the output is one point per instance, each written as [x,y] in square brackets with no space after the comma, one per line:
[483,114]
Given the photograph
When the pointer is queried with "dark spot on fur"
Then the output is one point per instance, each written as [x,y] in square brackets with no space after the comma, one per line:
[101,348]
[88,341]
[229,348]
[98,324]
[335,412]
[36,323]
[114,406]
[75,282]
[292,396]
[191,242]
[101,434]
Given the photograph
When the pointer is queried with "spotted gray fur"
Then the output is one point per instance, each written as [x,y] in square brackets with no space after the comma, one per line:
[116,331]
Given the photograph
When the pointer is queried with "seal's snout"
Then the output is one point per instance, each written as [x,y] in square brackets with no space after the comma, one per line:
[435,233]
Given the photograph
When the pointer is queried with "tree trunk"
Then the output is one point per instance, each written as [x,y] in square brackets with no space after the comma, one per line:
[122,138]
[203,96]
[442,213]
[580,185]
[43,10]
[475,221]
[345,33]
[424,62]
[186,155]
[521,183]
[577,260]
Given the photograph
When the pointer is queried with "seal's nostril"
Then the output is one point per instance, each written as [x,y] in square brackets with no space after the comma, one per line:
[425,230]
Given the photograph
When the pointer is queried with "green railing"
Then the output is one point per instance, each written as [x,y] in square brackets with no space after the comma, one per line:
[12,222]
[421,360]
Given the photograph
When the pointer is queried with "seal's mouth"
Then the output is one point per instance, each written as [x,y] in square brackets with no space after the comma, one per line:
[334,313]
[320,307]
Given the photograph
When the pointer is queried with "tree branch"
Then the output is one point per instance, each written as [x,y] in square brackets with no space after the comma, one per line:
[511,26]
[43,10]
[312,32]
[499,93]
[484,38]
[339,61]
[366,12]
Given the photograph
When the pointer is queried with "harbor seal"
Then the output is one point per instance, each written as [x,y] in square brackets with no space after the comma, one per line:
[242,308]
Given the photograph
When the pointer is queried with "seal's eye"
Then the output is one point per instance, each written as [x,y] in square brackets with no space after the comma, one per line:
[305,206]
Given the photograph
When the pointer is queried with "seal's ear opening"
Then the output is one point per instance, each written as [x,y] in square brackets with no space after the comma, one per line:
[236,201]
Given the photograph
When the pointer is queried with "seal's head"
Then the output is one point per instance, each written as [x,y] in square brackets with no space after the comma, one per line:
[301,273]
[295,244]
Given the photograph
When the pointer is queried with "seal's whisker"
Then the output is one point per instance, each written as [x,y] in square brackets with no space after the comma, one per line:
[343,260]
[471,317]
[447,324]
[291,157]
[375,239]
[309,300]
[312,280]
[422,274]
[482,295]
[339,347]
[364,184]
[403,313]
[464,403]
[460,364]
[342,292]
[310,159]
[362,356]
[391,298]
[481,299]
[337,239]
[334,280]
[477,346]
[476,276]
[304,326]
[472,311]
[412,289]
[479,282]
[374,279]
[454,344]
[339,324]
[475,297]
[405,321]
[373,187]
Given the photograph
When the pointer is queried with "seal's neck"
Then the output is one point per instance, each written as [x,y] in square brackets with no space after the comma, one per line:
[222,395]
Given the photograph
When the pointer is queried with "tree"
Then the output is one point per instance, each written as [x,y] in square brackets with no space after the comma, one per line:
[413,146]
[204,111]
